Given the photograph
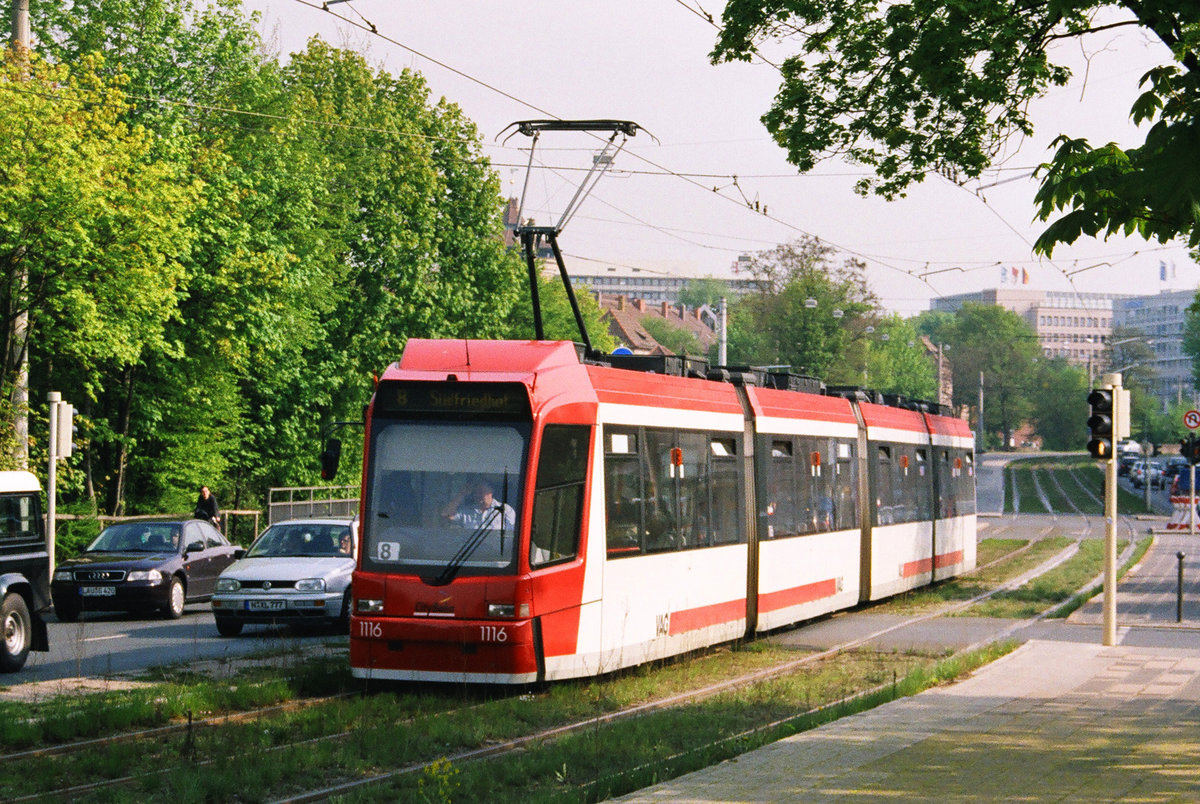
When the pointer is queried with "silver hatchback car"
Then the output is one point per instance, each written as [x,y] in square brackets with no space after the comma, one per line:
[297,571]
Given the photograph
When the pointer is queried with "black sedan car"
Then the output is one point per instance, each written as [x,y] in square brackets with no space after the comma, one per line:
[143,567]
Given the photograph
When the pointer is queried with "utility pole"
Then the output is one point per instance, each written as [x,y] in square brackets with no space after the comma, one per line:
[982,434]
[723,343]
[19,334]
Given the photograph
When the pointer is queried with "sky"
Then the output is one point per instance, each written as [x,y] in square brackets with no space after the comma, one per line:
[671,202]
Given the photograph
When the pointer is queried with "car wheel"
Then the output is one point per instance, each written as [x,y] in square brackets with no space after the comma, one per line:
[228,626]
[66,612]
[176,599]
[16,629]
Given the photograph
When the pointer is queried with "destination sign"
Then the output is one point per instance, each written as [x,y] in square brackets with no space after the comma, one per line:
[485,399]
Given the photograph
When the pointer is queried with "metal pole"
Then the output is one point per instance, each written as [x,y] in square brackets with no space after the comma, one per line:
[55,399]
[982,433]
[1179,590]
[723,342]
[1192,500]
[1112,381]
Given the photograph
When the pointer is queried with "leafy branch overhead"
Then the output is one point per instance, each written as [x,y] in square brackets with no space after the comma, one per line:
[943,86]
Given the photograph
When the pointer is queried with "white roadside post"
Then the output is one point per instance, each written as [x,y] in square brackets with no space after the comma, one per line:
[59,446]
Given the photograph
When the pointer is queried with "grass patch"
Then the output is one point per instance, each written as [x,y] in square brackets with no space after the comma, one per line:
[1047,590]
[956,590]
[1067,495]
[182,692]
[1077,600]
[620,758]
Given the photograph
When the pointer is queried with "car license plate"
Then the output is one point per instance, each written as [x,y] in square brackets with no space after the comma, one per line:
[264,605]
[98,591]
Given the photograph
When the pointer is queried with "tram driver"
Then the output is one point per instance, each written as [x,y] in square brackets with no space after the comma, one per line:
[476,506]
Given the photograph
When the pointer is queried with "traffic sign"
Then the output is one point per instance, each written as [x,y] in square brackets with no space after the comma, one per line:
[1191,419]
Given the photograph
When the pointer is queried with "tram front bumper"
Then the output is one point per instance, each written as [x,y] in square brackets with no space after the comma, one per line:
[428,649]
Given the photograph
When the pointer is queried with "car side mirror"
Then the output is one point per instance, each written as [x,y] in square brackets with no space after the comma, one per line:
[238,552]
[194,547]
[330,457]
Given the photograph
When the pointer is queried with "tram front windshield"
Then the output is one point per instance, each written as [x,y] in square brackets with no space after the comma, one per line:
[443,498]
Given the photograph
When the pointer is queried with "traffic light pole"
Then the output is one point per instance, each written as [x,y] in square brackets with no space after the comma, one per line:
[1113,382]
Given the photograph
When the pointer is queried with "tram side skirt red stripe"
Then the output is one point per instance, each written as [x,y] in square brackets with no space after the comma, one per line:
[704,616]
[926,564]
[782,599]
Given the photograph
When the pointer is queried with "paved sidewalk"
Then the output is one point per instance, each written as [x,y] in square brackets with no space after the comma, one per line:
[1053,721]
[1062,718]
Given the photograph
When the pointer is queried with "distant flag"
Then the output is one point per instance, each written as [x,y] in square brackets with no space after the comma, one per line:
[1003,276]
[1162,271]
[1016,275]
[1024,276]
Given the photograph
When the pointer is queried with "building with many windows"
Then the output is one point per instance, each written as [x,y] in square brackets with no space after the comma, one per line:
[1160,321]
[1076,326]
[653,282]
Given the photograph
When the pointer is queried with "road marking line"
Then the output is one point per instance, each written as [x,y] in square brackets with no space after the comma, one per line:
[97,639]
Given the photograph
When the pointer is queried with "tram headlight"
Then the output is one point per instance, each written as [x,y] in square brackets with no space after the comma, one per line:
[367,604]
[509,610]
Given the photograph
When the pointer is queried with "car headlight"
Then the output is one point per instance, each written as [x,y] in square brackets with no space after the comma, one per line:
[228,584]
[64,575]
[152,575]
[311,585]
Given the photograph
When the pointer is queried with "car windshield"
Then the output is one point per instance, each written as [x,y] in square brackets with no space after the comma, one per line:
[443,497]
[138,537]
[301,539]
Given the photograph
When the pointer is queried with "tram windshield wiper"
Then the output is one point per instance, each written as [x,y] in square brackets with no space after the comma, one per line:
[469,546]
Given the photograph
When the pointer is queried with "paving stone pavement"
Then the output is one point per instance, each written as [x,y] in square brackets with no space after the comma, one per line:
[1062,718]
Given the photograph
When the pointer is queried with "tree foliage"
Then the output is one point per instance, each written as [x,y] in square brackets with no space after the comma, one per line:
[234,243]
[809,312]
[923,86]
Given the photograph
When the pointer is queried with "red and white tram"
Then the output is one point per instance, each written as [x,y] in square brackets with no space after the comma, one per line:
[529,516]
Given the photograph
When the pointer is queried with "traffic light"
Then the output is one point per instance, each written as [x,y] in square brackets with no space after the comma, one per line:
[1100,424]
[1190,449]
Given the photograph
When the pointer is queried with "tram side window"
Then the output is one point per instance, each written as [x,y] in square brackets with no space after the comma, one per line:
[695,508]
[726,516]
[966,483]
[558,497]
[18,513]
[845,487]
[781,502]
[670,490]
[921,484]
[661,500]
[948,469]
[623,492]
[885,484]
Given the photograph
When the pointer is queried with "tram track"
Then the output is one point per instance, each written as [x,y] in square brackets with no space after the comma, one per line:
[484,749]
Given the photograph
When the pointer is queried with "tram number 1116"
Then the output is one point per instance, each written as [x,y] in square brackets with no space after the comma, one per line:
[493,633]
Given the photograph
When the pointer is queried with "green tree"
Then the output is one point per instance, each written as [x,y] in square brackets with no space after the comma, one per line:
[918,87]
[558,320]
[1060,409]
[809,312]
[897,362]
[673,337]
[696,293]
[94,215]
[341,211]
[998,344]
